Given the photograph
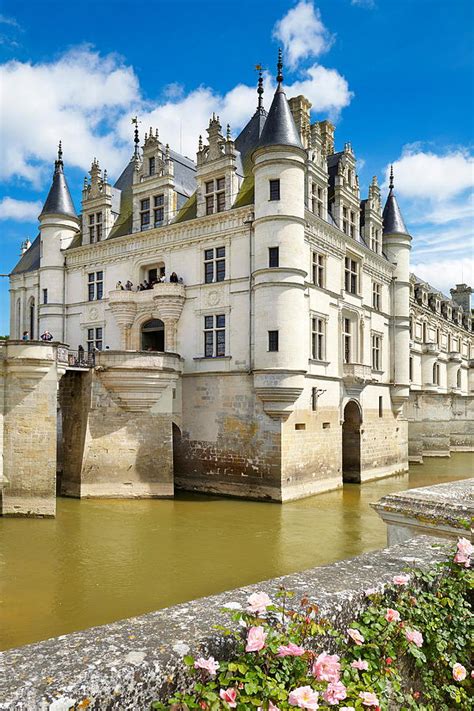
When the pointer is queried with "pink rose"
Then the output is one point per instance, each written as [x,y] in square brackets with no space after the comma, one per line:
[464,552]
[210,665]
[414,636]
[229,696]
[335,692]
[459,672]
[370,591]
[258,602]
[360,664]
[304,697]
[355,635]
[326,667]
[368,698]
[290,650]
[401,579]
[255,639]
[392,615]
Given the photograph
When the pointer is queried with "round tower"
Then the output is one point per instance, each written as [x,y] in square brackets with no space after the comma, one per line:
[278,274]
[397,246]
[58,226]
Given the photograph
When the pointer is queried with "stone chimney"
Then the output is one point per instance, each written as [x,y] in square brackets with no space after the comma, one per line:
[461,296]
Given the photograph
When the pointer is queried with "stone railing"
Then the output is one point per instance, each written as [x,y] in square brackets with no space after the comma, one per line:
[128,664]
[431,349]
[357,372]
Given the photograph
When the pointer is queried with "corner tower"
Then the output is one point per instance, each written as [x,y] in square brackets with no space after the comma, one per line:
[397,246]
[58,226]
[280,339]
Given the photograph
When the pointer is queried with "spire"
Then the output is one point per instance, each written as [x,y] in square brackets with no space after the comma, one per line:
[280,128]
[392,217]
[260,89]
[59,201]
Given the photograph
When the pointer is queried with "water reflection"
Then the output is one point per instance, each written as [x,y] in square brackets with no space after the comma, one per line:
[99,561]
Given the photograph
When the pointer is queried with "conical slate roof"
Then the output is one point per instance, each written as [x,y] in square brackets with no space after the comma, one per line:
[392,217]
[249,137]
[59,201]
[280,128]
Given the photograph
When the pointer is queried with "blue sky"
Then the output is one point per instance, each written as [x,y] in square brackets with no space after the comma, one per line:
[396,77]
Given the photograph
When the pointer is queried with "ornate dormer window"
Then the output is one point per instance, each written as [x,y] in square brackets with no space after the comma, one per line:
[98,215]
[344,192]
[155,201]
[218,183]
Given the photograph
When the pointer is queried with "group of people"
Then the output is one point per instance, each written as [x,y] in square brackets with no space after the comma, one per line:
[46,336]
[145,284]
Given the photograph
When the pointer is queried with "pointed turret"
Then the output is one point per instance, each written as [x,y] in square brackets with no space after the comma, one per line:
[392,217]
[249,137]
[59,201]
[280,128]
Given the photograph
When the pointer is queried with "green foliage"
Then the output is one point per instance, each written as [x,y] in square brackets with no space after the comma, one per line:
[402,673]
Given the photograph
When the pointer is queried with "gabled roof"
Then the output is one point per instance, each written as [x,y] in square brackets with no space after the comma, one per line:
[30,260]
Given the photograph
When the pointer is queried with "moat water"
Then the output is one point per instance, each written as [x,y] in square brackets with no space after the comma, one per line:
[100,561]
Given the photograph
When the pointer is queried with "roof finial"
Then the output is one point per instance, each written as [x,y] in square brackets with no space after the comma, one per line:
[58,163]
[136,139]
[258,67]
[60,151]
[390,185]
[279,68]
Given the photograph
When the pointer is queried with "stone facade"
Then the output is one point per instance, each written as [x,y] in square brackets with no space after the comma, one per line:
[289,308]
[29,381]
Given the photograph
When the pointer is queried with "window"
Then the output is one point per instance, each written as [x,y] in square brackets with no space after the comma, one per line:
[410,369]
[458,378]
[318,329]
[158,209]
[319,264]
[95,286]
[95,227]
[436,374]
[145,213]
[94,339]
[348,221]
[314,399]
[274,189]
[380,406]
[376,295]
[273,257]
[214,264]
[151,166]
[214,336]
[351,275]
[347,340]
[215,195]
[45,296]
[376,352]
[273,340]
[317,200]
[375,239]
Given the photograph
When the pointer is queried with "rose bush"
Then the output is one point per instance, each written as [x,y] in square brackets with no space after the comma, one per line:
[409,649]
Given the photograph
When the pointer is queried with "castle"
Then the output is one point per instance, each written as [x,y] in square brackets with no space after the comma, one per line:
[279,345]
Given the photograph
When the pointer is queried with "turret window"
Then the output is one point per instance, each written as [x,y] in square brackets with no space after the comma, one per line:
[273,257]
[214,265]
[274,189]
[95,286]
[351,276]
[317,200]
[214,336]
[95,227]
[215,195]
[45,296]
[273,341]
[319,269]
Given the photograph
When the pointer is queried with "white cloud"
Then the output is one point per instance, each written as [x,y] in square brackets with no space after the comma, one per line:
[421,174]
[75,99]
[19,210]
[327,90]
[302,33]
[369,4]
[445,274]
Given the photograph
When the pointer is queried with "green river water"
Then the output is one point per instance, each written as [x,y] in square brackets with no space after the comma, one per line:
[100,561]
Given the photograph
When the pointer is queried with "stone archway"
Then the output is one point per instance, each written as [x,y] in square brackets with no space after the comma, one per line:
[351,442]
[153,335]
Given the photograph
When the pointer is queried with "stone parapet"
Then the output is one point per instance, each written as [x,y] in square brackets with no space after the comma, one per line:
[128,664]
[445,510]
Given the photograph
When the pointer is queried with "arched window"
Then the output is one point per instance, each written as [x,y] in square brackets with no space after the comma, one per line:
[153,335]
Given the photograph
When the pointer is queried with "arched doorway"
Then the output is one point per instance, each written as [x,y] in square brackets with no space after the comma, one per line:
[351,443]
[153,335]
